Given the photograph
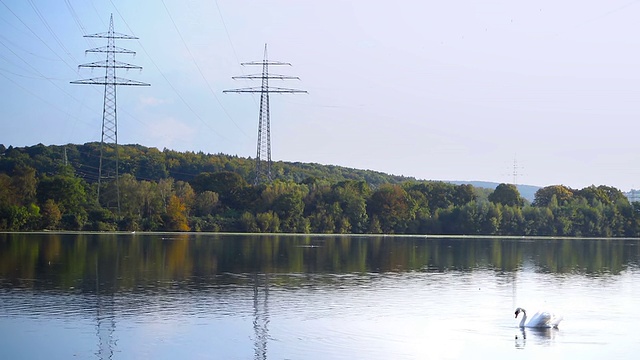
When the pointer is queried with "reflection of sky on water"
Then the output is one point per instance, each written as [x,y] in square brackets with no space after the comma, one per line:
[396,315]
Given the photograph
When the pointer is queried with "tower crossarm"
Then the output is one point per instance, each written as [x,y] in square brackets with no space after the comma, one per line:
[267,76]
[111,64]
[112,35]
[113,49]
[265,62]
[271,89]
[105,81]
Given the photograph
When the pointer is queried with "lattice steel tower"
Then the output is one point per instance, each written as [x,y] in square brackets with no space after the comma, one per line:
[108,168]
[263,171]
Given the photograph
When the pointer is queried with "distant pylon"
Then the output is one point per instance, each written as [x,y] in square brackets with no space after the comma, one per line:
[515,171]
[263,173]
[109,113]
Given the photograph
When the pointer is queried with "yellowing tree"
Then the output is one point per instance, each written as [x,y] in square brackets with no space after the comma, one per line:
[176,216]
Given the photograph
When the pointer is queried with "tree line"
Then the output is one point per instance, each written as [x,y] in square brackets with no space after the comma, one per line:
[56,188]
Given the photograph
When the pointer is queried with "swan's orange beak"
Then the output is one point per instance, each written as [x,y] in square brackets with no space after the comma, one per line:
[517,312]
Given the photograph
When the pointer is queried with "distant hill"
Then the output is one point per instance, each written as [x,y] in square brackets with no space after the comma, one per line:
[146,163]
[152,164]
[526,191]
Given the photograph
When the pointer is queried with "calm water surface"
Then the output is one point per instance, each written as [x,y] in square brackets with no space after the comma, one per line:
[167,296]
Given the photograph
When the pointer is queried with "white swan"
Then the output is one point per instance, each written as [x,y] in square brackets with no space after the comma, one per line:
[539,320]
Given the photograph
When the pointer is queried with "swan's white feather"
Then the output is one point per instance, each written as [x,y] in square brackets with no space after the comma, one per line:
[541,319]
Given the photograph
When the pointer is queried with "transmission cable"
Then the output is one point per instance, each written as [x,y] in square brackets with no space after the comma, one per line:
[165,77]
[55,37]
[38,37]
[199,70]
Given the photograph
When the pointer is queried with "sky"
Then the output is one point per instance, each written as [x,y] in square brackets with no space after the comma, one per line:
[437,90]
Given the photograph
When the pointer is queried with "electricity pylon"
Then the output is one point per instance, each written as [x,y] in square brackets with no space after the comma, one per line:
[263,173]
[516,167]
[109,114]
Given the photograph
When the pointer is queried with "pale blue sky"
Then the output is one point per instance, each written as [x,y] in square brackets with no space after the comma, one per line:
[452,90]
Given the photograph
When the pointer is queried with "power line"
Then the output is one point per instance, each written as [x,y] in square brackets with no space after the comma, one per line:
[75,16]
[200,70]
[226,30]
[167,80]
[40,74]
[19,47]
[99,17]
[46,24]
[39,97]
[38,37]
[77,20]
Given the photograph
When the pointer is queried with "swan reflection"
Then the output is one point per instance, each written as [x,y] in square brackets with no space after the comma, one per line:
[539,336]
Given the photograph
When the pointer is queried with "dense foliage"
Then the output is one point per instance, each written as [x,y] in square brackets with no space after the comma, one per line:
[55,187]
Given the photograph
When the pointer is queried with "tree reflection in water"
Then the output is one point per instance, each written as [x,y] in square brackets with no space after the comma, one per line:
[64,261]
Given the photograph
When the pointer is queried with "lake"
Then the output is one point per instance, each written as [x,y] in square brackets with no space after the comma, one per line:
[224,296]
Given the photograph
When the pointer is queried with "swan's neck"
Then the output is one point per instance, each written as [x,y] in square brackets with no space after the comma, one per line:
[524,318]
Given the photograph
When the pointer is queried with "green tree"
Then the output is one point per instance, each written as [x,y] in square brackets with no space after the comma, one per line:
[437,194]
[268,222]
[51,215]
[7,196]
[512,221]
[185,193]
[614,195]
[539,221]
[101,219]
[16,217]
[166,190]
[393,208]
[289,208]
[586,220]
[24,184]
[131,197]
[506,194]
[67,191]
[152,166]
[223,182]
[593,194]
[248,223]
[374,226]
[544,195]
[464,194]
[489,218]
[322,221]
[205,203]
[351,197]
[286,199]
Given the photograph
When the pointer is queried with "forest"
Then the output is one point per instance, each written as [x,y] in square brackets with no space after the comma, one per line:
[56,188]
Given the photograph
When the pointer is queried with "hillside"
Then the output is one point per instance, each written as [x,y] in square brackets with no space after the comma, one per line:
[56,188]
[151,164]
